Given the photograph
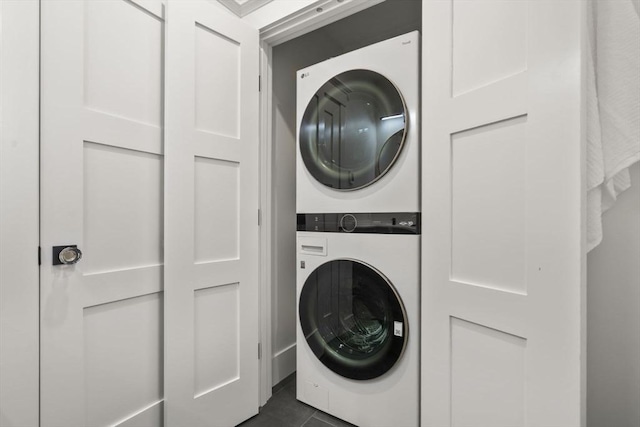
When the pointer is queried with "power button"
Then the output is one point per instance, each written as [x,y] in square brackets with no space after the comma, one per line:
[348,223]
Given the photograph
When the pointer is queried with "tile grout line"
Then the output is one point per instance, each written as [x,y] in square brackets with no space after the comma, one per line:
[328,422]
[307,420]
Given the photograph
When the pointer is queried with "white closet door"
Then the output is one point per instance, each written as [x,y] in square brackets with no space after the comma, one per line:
[211,214]
[102,190]
[503,298]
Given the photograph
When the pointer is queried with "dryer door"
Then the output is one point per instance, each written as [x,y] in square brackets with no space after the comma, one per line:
[353,130]
[353,319]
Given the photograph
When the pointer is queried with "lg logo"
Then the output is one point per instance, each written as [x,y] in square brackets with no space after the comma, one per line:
[303,75]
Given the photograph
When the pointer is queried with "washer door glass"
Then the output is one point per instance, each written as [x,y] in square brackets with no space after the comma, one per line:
[352,319]
[353,130]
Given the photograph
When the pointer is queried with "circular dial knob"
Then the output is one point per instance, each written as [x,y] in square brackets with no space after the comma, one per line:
[348,223]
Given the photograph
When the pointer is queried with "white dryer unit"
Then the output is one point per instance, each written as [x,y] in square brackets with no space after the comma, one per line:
[358,130]
[358,293]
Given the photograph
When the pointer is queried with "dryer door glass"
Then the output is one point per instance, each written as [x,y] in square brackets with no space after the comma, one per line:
[353,130]
[353,319]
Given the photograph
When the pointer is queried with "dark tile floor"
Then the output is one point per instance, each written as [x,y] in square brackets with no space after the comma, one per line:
[283,410]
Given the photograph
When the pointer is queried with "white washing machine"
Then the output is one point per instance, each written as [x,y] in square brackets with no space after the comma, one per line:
[358,293]
[358,130]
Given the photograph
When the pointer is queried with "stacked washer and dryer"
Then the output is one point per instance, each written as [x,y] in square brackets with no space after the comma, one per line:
[358,239]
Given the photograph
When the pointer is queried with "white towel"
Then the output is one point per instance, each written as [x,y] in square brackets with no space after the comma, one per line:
[613,106]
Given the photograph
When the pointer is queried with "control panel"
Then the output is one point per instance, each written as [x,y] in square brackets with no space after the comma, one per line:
[373,223]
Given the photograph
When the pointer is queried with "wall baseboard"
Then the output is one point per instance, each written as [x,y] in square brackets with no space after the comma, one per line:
[283,364]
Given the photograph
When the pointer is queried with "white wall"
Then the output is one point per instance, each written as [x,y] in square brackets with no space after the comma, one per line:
[377,23]
[19,304]
[613,317]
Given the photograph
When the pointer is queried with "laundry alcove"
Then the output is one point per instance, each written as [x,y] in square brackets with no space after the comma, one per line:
[377,23]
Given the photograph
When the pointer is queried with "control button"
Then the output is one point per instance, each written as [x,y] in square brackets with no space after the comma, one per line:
[315,222]
[348,223]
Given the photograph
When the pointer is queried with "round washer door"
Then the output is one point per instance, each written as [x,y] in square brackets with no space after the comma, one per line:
[353,130]
[352,319]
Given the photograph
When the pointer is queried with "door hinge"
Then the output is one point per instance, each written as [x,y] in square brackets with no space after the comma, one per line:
[259,83]
[39,255]
[259,351]
[259,217]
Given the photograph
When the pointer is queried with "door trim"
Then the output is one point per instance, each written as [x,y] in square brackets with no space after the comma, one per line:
[312,17]
[266,221]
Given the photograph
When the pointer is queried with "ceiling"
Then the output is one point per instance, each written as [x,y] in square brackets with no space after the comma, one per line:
[243,7]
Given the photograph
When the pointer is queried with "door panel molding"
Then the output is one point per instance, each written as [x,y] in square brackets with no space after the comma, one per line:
[102,177]
[503,161]
[211,229]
